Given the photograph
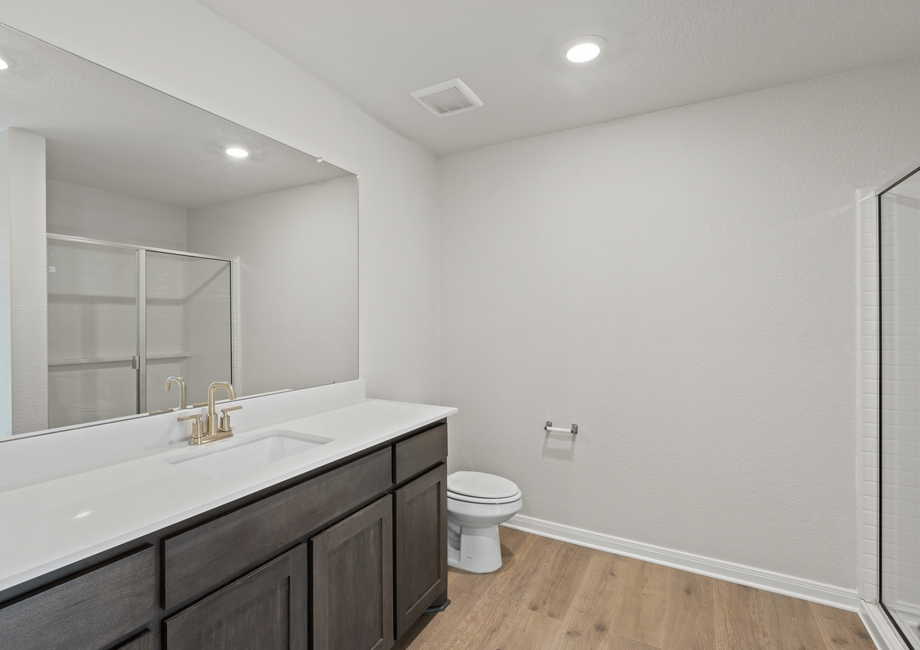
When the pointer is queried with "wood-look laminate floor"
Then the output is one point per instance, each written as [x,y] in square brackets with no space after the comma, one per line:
[550,595]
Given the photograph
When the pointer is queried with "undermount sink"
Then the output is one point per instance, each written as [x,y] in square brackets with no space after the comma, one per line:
[266,448]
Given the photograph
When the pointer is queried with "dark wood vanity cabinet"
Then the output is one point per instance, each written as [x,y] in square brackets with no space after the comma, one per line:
[345,558]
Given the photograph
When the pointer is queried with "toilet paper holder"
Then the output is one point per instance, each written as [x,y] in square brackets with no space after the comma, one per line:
[549,427]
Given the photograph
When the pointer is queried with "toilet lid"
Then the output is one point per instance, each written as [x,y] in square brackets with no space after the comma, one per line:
[480,485]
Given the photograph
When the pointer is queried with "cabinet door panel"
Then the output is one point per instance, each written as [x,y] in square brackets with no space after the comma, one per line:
[421,545]
[265,609]
[353,581]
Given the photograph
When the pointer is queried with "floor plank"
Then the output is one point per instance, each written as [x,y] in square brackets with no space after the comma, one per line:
[790,623]
[841,629]
[553,589]
[586,623]
[665,608]
[528,629]
[739,618]
[550,595]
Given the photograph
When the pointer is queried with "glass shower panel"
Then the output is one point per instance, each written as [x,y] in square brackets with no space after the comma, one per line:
[92,332]
[899,221]
[188,326]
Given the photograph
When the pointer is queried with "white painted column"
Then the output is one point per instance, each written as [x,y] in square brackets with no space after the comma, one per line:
[23,284]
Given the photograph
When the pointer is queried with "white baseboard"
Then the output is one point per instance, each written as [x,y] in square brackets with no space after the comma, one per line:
[879,627]
[731,572]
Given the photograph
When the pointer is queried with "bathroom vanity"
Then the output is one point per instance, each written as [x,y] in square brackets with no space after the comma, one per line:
[338,546]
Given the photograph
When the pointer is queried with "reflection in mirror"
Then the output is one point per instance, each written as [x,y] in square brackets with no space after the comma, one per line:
[139,249]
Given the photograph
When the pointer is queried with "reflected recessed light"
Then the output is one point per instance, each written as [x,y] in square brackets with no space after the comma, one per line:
[583,48]
[236,152]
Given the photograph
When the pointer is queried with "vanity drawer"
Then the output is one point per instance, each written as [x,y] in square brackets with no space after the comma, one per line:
[421,452]
[203,556]
[89,611]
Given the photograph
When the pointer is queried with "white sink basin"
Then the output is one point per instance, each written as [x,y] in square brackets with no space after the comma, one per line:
[264,449]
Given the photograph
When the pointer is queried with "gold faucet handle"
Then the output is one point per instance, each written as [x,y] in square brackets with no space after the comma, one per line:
[225,419]
[196,427]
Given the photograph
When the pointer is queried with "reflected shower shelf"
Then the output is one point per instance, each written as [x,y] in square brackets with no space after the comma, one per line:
[115,358]
[161,356]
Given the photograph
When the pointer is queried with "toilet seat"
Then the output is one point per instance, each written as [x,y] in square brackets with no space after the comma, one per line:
[479,487]
[468,499]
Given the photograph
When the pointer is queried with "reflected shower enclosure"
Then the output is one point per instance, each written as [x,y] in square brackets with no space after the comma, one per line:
[899,386]
[121,319]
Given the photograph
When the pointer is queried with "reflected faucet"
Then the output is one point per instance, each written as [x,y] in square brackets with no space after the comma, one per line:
[181,382]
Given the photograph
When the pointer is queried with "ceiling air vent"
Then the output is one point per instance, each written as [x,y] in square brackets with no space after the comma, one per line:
[447,98]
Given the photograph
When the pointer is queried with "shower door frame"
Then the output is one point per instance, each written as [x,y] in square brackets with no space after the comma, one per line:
[140,363]
[878,208]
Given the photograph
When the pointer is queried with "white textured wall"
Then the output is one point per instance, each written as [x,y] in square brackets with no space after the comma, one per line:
[298,276]
[204,60]
[681,285]
[97,214]
[25,153]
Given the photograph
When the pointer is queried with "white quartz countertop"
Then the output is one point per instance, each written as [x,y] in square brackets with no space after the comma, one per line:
[52,523]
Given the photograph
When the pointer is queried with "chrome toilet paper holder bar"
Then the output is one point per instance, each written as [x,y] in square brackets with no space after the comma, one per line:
[549,427]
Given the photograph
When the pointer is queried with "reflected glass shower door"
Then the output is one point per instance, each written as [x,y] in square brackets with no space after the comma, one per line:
[188,328]
[899,252]
[121,319]
[92,332]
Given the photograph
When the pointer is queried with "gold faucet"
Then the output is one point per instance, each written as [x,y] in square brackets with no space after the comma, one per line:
[210,430]
[181,382]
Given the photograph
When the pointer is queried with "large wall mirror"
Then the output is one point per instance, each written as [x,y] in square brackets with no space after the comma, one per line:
[135,247]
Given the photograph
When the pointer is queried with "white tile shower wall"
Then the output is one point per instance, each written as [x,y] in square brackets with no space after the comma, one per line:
[868,398]
[168,284]
[208,326]
[900,403]
[91,316]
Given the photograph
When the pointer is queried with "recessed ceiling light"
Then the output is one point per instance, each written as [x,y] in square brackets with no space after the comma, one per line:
[236,152]
[6,62]
[583,48]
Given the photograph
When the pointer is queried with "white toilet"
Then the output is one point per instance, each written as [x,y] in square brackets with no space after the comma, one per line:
[476,504]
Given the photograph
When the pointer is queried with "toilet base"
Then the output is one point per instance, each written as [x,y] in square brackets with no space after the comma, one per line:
[477,550]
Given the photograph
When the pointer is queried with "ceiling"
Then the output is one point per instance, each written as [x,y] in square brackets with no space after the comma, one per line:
[106,131]
[661,54]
